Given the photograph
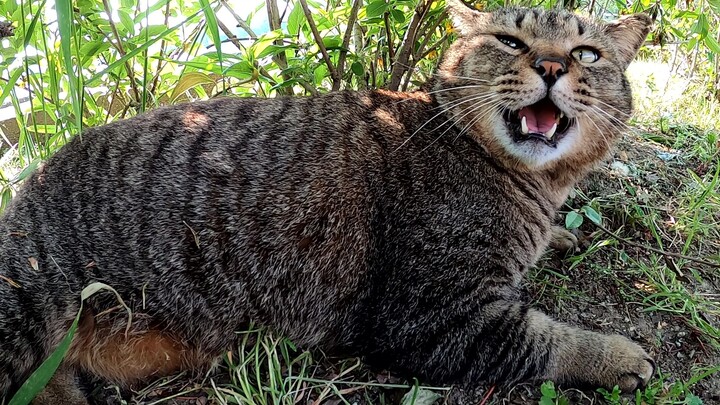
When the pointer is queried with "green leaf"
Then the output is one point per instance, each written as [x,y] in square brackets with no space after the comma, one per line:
[376,8]
[591,214]
[712,44]
[320,73]
[420,396]
[573,220]
[127,21]
[398,15]
[547,389]
[296,19]
[27,171]
[212,26]
[92,48]
[691,399]
[358,69]
[188,81]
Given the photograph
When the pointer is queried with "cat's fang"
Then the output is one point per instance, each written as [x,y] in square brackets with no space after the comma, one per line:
[524,125]
[549,134]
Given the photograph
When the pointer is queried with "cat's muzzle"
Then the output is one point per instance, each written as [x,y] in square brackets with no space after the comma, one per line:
[539,122]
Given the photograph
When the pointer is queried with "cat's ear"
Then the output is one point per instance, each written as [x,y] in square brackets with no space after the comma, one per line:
[629,34]
[464,18]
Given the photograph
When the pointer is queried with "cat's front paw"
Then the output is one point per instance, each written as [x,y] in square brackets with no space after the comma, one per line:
[563,240]
[628,365]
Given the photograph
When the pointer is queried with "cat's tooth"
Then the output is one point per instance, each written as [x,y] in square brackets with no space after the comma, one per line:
[549,134]
[562,114]
[523,125]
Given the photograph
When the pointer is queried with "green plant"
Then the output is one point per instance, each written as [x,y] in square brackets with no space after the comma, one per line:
[550,395]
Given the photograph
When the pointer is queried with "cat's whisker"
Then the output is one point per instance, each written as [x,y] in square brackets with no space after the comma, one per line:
[622,113]
[445,110]
[601,133]
[471,86]
[472,108]
[619,124]
[447,75]
[491,109]
[463,98]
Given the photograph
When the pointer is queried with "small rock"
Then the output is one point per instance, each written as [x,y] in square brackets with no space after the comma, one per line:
[667,156]
[620,168]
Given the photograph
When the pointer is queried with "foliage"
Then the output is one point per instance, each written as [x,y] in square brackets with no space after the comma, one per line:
[77,64]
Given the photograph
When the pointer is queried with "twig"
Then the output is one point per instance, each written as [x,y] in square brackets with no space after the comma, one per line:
[346,40]
[163,44]
[658,251]
[316,34]
[275,21]
[405,50]
[121,50]
[241,23]
[486,398]
[388,36]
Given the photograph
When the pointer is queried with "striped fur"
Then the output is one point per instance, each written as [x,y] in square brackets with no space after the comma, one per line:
[379,224]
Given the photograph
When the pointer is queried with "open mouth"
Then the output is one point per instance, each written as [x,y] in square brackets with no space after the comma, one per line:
[542,121]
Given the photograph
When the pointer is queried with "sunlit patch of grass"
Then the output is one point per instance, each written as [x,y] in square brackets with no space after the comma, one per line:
[270,370]
[672,296]
[664,98]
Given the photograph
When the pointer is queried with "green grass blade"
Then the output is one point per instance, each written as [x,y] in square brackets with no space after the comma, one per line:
[139,49]
[33,23]
[65,25]
[212,26]
[40,377]
[7,88]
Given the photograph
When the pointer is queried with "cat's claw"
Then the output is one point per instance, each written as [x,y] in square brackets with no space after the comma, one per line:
[563,240]
[634,366]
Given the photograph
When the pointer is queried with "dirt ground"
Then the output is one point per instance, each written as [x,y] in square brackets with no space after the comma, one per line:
[601,291]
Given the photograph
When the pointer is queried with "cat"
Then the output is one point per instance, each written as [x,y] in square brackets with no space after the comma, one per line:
[393,226]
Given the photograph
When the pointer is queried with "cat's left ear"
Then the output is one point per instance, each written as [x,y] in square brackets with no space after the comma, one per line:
[465,19]
[629,34]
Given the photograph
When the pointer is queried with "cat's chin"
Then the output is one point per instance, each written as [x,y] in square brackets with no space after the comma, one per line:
[535,151]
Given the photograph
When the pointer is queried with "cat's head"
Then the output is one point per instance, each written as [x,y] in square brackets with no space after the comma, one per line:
[536,88]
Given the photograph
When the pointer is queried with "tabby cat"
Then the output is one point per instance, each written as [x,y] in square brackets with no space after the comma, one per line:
[394,226]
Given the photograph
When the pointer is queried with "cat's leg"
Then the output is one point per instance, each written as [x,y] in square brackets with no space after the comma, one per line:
[63,389]
[26,340]
[562,240]
[126,356]
[506,342]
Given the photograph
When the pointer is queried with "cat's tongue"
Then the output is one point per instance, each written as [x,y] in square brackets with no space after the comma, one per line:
[540,117]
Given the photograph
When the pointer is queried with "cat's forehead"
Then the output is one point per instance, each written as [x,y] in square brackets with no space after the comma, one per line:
[550,24]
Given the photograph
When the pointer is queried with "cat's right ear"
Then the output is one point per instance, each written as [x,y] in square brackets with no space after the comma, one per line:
[465,19]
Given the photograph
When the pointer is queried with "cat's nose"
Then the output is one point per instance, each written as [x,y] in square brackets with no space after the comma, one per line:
[550,69]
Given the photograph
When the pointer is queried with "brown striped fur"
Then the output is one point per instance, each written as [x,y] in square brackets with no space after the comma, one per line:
[395,226]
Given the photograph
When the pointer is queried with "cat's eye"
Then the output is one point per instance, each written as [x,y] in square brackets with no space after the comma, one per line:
[586,55]
[512,42]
